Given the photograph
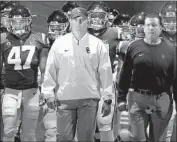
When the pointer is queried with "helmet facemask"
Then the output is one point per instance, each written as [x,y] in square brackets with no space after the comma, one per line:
[168,14]
[169,24]
[20,25]
[5,20]
[56,29]
[137,31]
[125,31]
[97,20]
[5,17]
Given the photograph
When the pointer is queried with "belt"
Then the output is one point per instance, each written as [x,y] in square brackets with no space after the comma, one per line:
[147,92]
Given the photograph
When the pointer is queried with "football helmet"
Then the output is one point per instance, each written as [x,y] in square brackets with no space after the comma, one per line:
[112,15]
[6,7]
[57,24]
[98,13]
[122,21]
[69,6]
[168,14]
[20,20]
[136,25]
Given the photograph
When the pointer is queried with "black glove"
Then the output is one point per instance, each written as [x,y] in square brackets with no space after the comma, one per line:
[122,106]
[106,108]
[51,103]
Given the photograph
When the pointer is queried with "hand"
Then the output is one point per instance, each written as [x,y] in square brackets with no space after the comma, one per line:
[150,109]
[122,106]
[106,108]
[42,100]
[51,103]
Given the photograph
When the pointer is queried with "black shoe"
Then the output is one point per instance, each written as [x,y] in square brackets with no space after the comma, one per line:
[17,139]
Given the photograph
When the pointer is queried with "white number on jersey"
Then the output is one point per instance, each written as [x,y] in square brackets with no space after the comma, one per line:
[15,51]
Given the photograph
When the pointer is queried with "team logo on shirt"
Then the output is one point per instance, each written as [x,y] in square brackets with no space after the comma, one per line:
[9,44]
[88,50]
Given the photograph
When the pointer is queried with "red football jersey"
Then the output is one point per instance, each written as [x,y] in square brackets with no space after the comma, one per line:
[110,38]
[21,60]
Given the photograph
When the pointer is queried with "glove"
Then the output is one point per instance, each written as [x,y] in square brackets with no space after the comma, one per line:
[106,108]
[150,109]
[51,103]
[122,106]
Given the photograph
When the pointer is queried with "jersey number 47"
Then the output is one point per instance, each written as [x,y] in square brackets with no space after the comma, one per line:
[14,57]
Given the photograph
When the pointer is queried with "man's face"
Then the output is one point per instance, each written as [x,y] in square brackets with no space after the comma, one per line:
[111,19]
[79,24]
[169,24]
[152,28]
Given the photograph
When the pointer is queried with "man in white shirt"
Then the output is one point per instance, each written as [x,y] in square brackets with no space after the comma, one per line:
[78,66]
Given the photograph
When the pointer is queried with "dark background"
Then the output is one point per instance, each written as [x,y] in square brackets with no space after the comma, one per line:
[43,8]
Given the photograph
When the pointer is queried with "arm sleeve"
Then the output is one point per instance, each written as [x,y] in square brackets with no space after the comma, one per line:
[50,75]
[125,76]
[42,63]
[105,73]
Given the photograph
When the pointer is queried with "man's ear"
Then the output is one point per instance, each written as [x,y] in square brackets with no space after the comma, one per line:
[162,28]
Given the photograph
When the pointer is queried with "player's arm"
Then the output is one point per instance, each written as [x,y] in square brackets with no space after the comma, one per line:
[42,62]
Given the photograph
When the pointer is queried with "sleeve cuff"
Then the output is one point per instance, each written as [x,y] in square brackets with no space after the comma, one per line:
[47,96]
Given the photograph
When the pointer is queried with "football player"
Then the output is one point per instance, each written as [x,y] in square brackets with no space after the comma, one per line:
[122,21]
[112,15]
[5,8]
[23,52]
[168,15]
[98,13]
[58,25]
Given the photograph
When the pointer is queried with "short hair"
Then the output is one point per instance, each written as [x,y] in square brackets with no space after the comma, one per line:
[154,15]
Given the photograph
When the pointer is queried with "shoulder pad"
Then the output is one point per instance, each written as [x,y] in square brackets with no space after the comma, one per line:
[41,38]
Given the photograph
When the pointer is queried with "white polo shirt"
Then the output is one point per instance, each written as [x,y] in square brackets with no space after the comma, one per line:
[78,69]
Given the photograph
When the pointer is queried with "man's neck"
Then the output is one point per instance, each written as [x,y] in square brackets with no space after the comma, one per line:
[152,42]
[79,36]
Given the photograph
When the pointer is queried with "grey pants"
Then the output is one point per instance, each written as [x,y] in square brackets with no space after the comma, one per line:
[12,102]
[77,115]
[141,117]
